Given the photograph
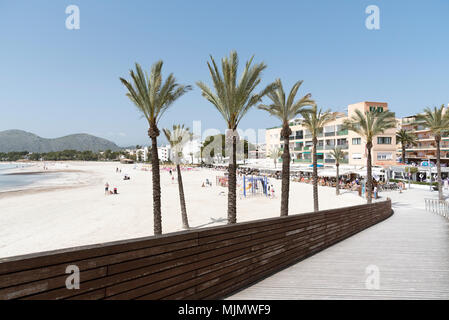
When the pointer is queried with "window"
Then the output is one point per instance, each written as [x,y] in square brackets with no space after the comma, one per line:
[384,156]
[376,109]
[357,156]
[383,140]
[299,134]
[356,140]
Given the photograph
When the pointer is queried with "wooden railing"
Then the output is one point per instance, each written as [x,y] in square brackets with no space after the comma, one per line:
[198,264]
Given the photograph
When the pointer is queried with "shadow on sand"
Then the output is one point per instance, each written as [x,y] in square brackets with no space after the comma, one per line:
[212,221]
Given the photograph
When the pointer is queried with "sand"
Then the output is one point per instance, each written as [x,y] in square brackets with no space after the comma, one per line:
[72,209]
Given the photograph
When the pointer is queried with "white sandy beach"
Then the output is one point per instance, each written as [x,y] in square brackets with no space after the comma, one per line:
[72,209]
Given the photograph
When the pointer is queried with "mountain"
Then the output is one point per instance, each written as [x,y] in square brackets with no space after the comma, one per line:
[18,140]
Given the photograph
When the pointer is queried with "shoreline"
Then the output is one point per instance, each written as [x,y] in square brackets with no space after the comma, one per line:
[39,172]
[53,179]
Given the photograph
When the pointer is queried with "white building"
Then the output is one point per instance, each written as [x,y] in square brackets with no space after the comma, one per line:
[164,153]
[145,153]
[191,151]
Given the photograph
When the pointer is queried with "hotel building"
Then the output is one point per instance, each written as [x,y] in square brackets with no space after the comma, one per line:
[383,151]
[425,148]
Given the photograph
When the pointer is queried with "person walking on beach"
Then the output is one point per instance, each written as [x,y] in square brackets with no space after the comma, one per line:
[375,192]
[106,188]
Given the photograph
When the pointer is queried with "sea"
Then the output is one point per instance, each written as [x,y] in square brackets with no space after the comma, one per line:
[10,182]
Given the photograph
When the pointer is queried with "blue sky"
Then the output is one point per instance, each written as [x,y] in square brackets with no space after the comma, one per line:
[55,81]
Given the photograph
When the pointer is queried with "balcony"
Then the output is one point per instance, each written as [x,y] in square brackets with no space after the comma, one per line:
[307,148]
[319,147]
[297,148]
[308,136]
[343,146]
[329,134]
[342,132]
[329,160]
[303,160]
[420,128]
[329,146]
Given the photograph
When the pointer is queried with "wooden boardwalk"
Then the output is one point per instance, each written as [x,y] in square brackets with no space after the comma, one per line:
[410,250]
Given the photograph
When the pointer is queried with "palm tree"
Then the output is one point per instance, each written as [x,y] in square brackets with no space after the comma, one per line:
[437,120]
[368,125]
[406,139]
[275,153]
[314,121]
[233,98]
[152,97]
[285,110]
[339,155]
[177,138]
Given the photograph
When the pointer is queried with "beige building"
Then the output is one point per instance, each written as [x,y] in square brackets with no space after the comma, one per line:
[425,148]
[383,151]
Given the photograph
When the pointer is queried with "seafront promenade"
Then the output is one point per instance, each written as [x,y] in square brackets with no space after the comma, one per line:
[403,257]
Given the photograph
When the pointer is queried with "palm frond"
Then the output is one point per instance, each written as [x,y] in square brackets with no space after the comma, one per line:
[231,97]
[151,95]
[282,108]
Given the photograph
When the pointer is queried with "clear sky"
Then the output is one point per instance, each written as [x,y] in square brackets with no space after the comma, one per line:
[55,81]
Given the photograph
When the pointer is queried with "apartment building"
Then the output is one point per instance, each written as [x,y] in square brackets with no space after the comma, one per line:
[426,148]
[383,151]
[164,153]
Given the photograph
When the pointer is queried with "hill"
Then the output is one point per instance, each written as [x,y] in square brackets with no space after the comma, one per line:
[18,140]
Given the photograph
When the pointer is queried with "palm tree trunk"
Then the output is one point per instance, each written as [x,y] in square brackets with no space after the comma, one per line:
[440,190]
[315,176]
[232,196]
[403,153]
[369,175]
[153,132]
[338,179]
[185,221]
[285,172]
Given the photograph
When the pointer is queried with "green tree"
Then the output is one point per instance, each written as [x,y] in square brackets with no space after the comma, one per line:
[152,97]
[177,138]
[406,139]
[275,153]
[368,125]
[437,120]
[339,155]
[212,144]
[233,98]
[286,108]
[314,120]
